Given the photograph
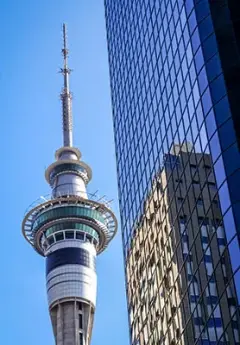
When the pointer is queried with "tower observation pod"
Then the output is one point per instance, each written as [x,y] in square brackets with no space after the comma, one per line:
[70,228]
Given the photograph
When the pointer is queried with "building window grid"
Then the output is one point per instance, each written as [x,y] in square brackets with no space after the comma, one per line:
[213,274]
[219,263]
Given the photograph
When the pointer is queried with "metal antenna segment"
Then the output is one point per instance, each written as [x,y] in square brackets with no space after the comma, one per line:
[66,95]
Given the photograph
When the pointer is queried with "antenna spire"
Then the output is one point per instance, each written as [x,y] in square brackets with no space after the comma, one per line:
[66,95]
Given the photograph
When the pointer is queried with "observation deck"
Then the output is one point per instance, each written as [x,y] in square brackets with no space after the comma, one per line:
[69,217]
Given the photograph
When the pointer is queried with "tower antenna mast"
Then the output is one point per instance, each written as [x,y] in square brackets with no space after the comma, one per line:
[66,95]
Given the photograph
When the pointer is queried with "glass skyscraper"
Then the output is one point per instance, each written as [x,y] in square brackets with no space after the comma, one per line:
[175,82]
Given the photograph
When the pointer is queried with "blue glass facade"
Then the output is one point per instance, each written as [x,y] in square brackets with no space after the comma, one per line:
[174,72]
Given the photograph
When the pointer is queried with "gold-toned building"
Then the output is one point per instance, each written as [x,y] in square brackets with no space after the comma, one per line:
[178,271]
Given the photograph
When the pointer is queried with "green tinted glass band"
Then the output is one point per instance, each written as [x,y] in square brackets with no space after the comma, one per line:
[66,211]
[72,225]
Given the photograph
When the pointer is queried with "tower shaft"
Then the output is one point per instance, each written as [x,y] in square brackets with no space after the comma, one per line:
[69,230]
[68,320]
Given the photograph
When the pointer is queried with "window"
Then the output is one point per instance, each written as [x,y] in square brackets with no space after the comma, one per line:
[166,282]
[207,258]
[162,243]
[79,236]
[198,321]
[194,298]
[212,299]
[51,240]
[71,225]
[187,257]
[155,205]
[211,279]
[212,185]
[152,260]
[80,321]
[151,217]
[80,339]
[199,202]
[207,168]
[192,278]
[137,255]
[195,182]
[215,202]
[205,239]
[183,219]
[185,238]
[232,301]
[88,238]
[163,209]
[159,187]
[180,199]
[69,234]
[59,236]
[221,241]
[193,169]
[217,222]
[216,322]
[178,333]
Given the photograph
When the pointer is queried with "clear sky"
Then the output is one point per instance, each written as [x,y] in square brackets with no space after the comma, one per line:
[30,133]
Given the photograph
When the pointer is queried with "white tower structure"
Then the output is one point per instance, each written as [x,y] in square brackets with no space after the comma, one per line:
[70,228]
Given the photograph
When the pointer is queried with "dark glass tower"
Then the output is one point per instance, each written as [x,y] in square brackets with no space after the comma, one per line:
[175,82]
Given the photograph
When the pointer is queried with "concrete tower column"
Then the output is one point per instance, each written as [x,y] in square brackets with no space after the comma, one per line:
[70,229]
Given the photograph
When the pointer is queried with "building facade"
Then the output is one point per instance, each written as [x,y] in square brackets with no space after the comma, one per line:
[70,228]
[178,269]
[174,73]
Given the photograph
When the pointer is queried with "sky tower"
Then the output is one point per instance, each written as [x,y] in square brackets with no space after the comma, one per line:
[70,228]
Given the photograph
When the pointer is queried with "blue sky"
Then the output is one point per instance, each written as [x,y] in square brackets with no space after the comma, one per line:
[30,133]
